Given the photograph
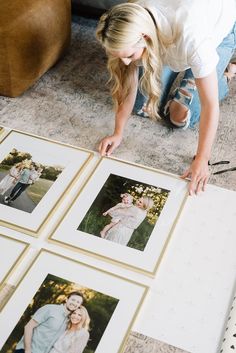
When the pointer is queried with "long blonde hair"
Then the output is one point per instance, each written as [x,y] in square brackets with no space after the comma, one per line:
[131,25]
[147,202]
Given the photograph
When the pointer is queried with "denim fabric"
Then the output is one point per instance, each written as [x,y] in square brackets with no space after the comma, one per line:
[17,190]
[225,51]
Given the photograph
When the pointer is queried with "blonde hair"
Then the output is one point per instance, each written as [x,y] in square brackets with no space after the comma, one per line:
[147,202]
[19,165]
[131,25]
[85,319]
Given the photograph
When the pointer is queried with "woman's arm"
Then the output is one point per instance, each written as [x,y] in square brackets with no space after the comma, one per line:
[117,206]
[28,334]
[109,143]
[199,170]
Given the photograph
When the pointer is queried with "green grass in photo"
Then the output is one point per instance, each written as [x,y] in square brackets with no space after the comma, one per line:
[38,190]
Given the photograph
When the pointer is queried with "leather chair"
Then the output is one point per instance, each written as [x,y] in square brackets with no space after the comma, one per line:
[33,36]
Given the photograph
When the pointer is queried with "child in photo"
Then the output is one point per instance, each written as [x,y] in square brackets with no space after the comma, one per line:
[116,212]
[133,216]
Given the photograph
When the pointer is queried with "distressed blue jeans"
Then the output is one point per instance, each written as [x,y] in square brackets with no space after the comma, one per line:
[225,51]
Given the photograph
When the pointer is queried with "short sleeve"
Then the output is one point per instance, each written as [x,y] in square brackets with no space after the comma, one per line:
[204,60]
[41,314]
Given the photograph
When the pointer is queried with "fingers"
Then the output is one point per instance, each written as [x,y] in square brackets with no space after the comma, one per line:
[108,145]
[198,174]
[187,174]
[198,185]
[110,148]
[105,147]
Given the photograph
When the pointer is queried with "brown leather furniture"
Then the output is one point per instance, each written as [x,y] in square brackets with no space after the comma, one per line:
[33,36]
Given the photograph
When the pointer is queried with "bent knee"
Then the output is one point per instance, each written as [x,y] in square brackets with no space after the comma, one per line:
[179,107]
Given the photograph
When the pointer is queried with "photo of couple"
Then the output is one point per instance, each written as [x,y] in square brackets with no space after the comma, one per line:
[63,317]
[125,211]
[25,179]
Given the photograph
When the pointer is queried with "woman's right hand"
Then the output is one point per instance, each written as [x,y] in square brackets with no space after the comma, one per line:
[108,144]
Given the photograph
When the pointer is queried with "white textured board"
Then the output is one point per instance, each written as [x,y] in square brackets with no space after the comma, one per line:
[190,297]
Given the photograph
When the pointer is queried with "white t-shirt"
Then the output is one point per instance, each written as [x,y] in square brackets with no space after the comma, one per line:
[201,24]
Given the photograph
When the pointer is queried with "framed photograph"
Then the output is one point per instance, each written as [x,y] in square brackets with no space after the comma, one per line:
[35,174]
[71,307]
[124,213]
[12,252]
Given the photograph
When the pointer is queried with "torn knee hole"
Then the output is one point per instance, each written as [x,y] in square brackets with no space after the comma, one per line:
[178,112]
[184,92]
[189,84]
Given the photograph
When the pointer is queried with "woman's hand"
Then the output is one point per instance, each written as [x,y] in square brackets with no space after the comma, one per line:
[108,144]
[199,175]
[199,170]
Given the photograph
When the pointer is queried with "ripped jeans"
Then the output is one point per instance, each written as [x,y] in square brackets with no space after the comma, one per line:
[191,100]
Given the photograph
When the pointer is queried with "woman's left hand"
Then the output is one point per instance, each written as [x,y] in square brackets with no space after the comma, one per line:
[199,174]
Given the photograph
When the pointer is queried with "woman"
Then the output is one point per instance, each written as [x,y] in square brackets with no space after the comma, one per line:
[167,37]
[11,178]
[131,218]
[75,338]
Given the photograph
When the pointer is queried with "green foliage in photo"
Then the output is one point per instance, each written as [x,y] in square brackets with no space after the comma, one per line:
[109,196]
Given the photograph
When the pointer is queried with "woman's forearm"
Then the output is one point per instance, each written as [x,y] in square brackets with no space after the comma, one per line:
[207,131]
[208,92]
[125,109]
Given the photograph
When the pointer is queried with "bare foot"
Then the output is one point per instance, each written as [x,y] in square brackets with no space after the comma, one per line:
[230,71]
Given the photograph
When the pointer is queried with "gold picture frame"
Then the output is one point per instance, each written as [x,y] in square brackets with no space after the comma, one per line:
[145,261]
[3,132]
[13,251]
[32,222]
[49,268]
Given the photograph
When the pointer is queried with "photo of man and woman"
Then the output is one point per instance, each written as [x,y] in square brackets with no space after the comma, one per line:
[125,211]
[25,178]
[62,317]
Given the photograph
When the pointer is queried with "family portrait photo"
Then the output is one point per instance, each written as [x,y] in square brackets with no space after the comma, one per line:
[125,211]
[62,317]
[25,177]
[35,174]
